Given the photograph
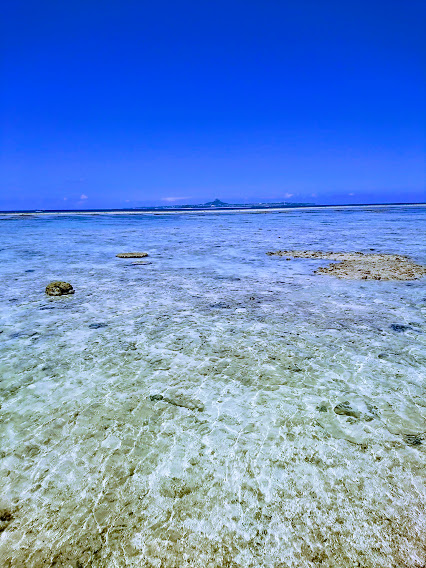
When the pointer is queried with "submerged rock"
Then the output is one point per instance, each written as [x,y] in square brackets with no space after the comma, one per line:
[399,327]
[131,255]
[360,266]
[372,414]
[346,409]
[185,402]
[413,439]
[352,432]
[97,325]
[383,355]
[155,397]
[141,262]
[6,517]
[180,400]
[59,288]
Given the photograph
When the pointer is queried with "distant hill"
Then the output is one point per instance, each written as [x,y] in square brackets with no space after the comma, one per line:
[215,203]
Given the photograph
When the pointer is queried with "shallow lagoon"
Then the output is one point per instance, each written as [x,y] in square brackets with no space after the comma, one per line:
[244,462]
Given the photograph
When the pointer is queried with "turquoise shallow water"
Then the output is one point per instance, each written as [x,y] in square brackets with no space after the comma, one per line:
[244,462]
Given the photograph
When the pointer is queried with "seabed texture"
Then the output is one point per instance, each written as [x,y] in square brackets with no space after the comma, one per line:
[217,407]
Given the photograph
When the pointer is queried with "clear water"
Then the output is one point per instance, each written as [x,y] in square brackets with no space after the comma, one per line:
[95,473]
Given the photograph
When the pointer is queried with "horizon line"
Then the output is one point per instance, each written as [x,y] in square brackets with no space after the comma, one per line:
[239,207]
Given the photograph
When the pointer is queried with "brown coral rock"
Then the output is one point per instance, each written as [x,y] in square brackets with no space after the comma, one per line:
[131,254]
[59,288]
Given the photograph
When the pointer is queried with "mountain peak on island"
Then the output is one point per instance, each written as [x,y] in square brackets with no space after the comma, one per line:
[215,203]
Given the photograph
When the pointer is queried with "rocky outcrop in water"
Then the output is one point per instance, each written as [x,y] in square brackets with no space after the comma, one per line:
[360,266]
[59,288]
[131,255]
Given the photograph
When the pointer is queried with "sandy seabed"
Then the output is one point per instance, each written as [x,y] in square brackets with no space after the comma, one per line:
[215,408]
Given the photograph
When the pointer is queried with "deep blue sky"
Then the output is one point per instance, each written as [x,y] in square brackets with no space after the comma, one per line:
[123,103]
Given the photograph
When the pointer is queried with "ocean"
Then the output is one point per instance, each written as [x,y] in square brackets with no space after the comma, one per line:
[185,412]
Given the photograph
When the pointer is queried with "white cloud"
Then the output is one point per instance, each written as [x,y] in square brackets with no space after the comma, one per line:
[82,196]
[173,198]
[288,195]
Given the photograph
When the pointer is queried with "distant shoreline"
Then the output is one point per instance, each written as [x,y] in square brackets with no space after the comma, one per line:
[177,210]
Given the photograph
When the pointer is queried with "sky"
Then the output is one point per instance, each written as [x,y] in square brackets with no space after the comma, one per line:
[133,103]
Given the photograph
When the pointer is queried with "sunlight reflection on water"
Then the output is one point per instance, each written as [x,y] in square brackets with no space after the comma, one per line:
[245,461]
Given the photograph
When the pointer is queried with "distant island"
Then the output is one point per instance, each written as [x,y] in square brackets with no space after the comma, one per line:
[218,204]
